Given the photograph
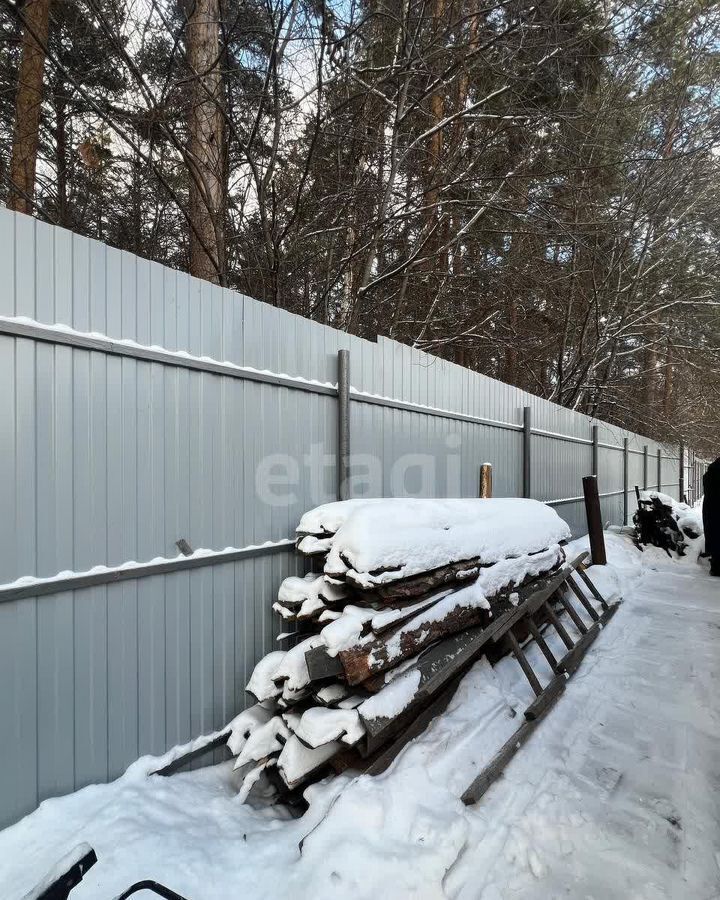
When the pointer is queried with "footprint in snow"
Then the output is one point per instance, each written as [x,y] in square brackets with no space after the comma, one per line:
[536,866]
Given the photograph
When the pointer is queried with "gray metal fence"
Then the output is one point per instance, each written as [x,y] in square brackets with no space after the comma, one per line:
[139,406]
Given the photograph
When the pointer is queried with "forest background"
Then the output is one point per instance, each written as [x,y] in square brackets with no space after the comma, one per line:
[529,189]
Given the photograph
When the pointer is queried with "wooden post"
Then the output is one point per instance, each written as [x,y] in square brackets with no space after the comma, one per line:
[659,469]
[595,449]
[626,486]
[486,481]
[681,461]
[594,520]
[527,441]
[646,469]
[343,451]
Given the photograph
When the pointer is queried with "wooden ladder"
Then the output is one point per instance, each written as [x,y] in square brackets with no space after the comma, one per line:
[567,598]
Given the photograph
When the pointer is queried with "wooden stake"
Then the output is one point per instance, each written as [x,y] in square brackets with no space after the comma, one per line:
[594,520]
[486,481]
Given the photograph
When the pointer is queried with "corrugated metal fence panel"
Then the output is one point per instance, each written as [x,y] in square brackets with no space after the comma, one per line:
[115,460]
[109,458]
[670,476]
[91,679]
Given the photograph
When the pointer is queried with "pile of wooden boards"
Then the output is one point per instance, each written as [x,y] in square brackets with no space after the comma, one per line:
[400,602]
[664,522]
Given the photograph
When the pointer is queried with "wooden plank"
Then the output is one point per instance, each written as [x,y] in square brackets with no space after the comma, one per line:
[497,765]
[589,608]
[446,659]
[542,644]
[213,744]
[364,661]
[573,658]
[539,597]
[547,697]
[439,705]
[609,613]
[437,666]
[579,624]
[524,664]
[414,587]
[403,614]
[321,665]
[557,624]
[591,587]
[316,760]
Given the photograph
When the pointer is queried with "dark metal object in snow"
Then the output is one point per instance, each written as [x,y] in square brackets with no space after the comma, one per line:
[61,886]
[154,887]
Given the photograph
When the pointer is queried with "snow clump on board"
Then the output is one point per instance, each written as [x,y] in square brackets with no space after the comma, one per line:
[393,539]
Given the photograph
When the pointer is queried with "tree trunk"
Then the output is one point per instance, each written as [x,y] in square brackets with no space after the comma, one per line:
[61,158]
[136,207]
[436,267]
[650,374]
[510,374]
[669,385]
[206,143]
[28,105]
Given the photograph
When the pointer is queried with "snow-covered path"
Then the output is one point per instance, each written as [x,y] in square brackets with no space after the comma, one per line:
[615,796]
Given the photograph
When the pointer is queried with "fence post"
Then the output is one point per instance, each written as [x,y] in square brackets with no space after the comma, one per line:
[626,471]
[681,461]
[595,449]
[486,490]
[343,449]
[527,441]
[594,520]
[659,468]
[646,469]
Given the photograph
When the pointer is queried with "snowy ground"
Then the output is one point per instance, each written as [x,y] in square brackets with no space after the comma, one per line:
[615,796]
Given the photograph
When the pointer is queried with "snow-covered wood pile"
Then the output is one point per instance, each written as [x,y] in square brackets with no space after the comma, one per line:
[399,588]
[664,522]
